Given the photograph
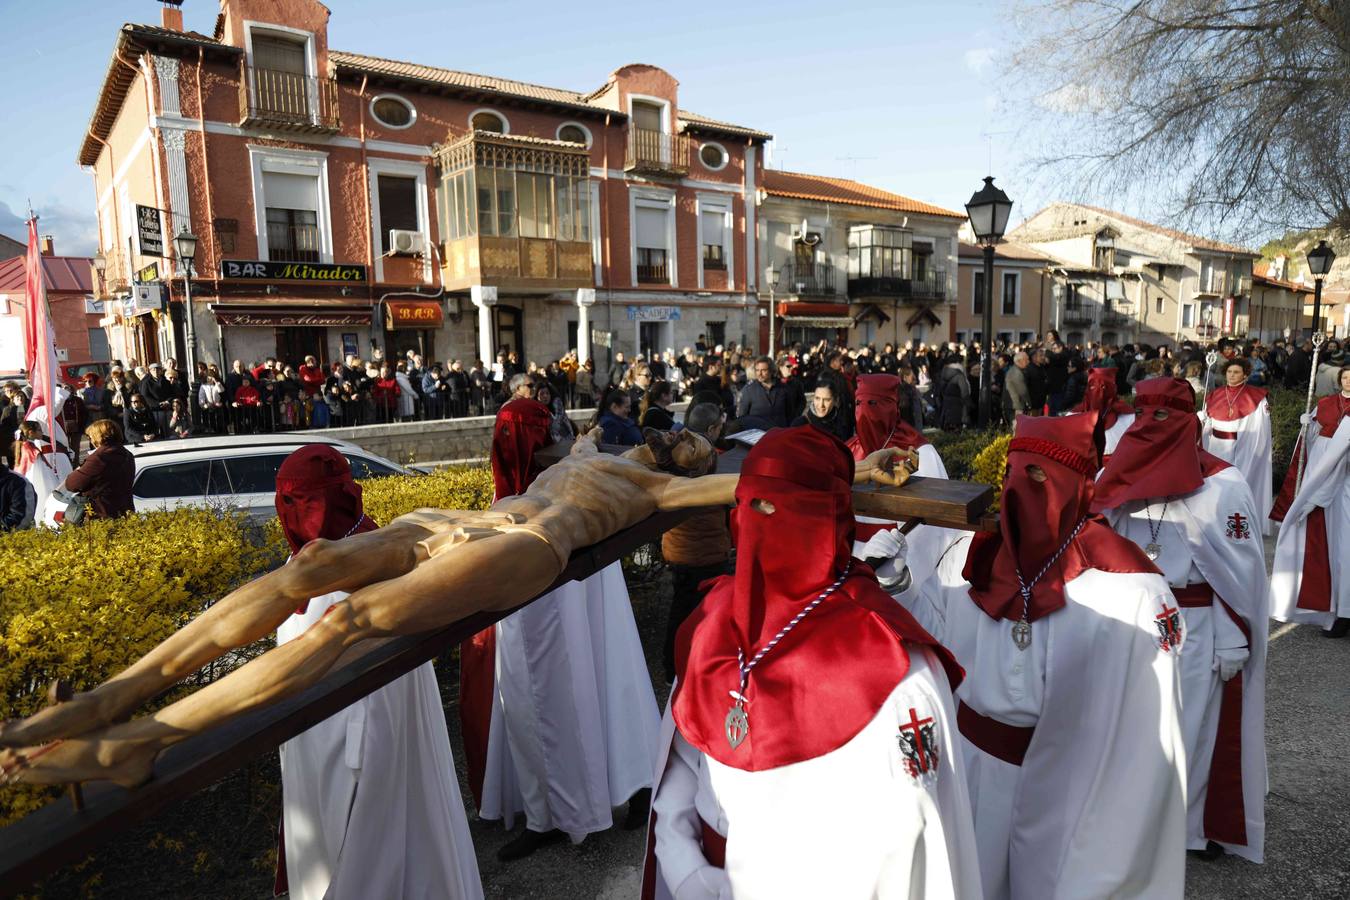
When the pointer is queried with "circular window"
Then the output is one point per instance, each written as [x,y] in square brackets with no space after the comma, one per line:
[393,112]
[574,134]
[487,120]
[713,156]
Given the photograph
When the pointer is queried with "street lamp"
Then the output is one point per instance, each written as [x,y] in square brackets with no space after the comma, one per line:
[100,264]
[988,209]
[185,245]
[1320,259]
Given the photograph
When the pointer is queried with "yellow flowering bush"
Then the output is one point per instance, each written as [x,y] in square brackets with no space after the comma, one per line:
[83,603]
[989,465]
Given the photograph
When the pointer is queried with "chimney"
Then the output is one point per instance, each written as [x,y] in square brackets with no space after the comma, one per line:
[48,245]
[172,17]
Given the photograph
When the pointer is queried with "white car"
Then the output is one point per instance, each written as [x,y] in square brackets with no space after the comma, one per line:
[239,472]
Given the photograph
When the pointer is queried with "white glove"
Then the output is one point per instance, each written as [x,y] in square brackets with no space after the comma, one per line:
[1230,662]
[889,544]
[1306,418]
[706,883]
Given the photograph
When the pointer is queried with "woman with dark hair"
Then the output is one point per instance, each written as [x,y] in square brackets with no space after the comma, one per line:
[1075,387]
[561,427]
[612,418]
[824,412]
[655,409]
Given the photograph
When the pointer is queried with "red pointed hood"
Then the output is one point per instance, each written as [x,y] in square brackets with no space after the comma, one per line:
[1037,518]
[1103,398]
[830,674]
[877,412]
[1160,454]
[521,430]
[318,498]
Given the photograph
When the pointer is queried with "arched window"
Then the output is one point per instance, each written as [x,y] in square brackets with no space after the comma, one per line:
[574,133]
[489,120]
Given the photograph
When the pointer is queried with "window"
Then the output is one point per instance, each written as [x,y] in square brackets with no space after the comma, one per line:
[254,474]
[398,206]
[1003,337]
[960,337]
[717,333]
[487,120]
[1010,300]
[1158,305]
[1073,300]
[292,218]
[713,156]
[280,86]
[876,252]
[496,202]
[713,224]
[392,112]
[648,116]
[188,479]
[534,196]
[1206,275]
[977,298]
[1188,315]
[98,344]
[574,134]
[368,468]
[1026,337]
[650,231]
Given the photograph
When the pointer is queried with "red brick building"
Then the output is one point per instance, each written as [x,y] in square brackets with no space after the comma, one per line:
[75,312]
[345,201]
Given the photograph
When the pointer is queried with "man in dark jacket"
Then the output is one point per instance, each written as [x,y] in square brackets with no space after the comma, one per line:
[763,401]
[18,501]
[1298,369]
[1037,380]
[1056,377]
[158,392]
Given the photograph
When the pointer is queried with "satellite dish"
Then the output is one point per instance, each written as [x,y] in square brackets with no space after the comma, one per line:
[805,226]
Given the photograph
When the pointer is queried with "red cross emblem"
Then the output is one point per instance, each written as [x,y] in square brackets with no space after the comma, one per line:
[1238,529]
[1169,627]
[918,744]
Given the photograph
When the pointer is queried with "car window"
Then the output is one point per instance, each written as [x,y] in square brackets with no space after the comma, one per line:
[254,474]
[369,468]
[185,479]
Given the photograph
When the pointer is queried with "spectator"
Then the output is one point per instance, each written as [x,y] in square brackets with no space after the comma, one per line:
[180,419]
[794,392]
[211,400]
[18,501]
[480,389]
[434,391]
[246,405]
[910,401]
[953,394]
[407,394]
[612,418]
[1075,386]
[617,370]
[141,425]
[459,388]
[385,393]
[1016,391]
[1056,376]
[522,386]
[158,392]
[655,408]
[824,411]
[92,396]
[763,402]
[585,384]
[561,428]
[639,380]
[1038,381]
[104,479]
[116,396]
[289,393]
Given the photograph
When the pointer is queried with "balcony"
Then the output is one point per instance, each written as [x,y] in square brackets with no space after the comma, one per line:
[293,243]
[1078,316]
[806,279]
[652,267]
[657,153]
[1116,319]
[929,287]
[286,101]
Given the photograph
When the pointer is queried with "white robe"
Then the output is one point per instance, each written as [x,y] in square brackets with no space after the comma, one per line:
[1117,431]
[1098,807]
[46,474]
[1198,545]
[853,823]
[1250,453]
[926,543]
[575,724]
[370,800]
[1326,483]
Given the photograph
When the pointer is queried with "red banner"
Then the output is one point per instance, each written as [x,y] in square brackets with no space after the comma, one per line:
[1229,303]
[413,314]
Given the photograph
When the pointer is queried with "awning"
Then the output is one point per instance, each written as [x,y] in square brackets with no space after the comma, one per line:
[273,317]
[819,321]
[923,315]
[413,314]
[871,311]
[795,308]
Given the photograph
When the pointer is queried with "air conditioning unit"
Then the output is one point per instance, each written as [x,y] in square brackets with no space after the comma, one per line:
[407,243]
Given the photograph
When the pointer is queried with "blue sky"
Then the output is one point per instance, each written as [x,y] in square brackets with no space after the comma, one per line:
[909,89]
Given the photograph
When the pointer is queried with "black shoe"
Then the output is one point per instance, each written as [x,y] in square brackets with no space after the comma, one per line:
[1339,628]
[1211,852]
[639,809]
[528,842]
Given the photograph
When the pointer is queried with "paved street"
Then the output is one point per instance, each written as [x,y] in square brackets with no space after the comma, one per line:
[1307,812]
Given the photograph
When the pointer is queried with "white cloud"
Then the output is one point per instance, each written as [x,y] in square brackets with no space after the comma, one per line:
[980,59]
[76,231]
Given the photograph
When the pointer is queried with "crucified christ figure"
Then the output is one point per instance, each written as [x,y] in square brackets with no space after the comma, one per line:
[421,572]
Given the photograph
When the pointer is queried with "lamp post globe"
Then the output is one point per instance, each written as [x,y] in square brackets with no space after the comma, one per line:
[1320,259]
[989,209]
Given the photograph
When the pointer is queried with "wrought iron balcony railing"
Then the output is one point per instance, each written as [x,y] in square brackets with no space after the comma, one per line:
[288,101]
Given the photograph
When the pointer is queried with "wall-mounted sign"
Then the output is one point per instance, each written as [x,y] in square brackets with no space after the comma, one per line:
[653,314]
[1229,309]
[148,273]
[94,306]
[413,314]
[601,338]
[320,273]
[294,318]
[150,230]
[144,298]
[349,345]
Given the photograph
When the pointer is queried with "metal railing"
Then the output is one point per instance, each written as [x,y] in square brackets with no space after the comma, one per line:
[652,267]
[288,100]
[1117,318]
[932,285]
[657,151]
[293,243]
[1078,317]
[807,279]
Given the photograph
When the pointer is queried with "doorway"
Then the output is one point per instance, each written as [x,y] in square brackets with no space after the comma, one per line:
[511,331]
[294,344]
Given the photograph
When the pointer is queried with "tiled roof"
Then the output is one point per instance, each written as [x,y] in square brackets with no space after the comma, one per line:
[68,274]
[844,190]
[1004,250]
[694,120]
[1261,272]
[1190,240]
[393,68]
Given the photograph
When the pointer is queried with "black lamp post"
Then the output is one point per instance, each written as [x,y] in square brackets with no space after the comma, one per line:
[988,209]
[1320,259]
[185,244]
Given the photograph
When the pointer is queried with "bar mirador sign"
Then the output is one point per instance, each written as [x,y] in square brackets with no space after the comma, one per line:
[262,270]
